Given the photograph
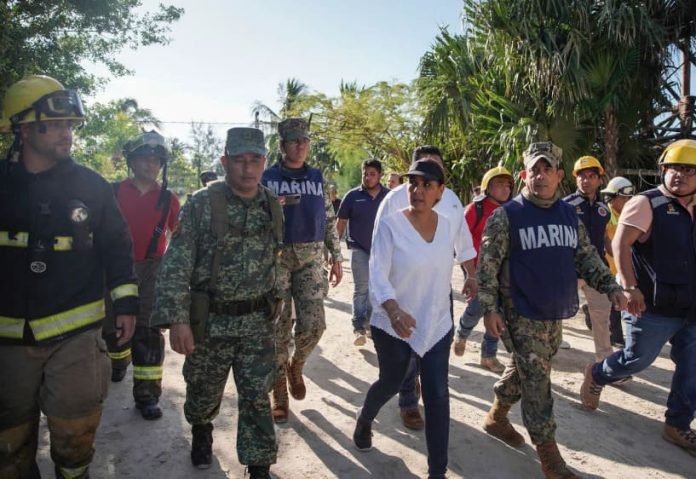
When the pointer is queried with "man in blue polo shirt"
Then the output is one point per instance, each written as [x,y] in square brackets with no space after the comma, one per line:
[358,211]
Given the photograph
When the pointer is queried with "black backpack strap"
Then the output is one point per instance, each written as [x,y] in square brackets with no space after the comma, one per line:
[115,187]
[478,204]
[159,229]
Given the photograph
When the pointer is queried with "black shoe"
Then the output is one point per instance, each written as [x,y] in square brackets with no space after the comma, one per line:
[259,472]
[588,320]
[202,445]
[149,410]
[118,374]
[362,437]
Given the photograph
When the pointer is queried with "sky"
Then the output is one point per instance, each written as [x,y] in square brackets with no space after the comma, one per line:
[226,55]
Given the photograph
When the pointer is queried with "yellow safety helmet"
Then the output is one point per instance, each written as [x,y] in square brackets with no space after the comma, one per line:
[492,173]
[680,152]
[36,98]
[585,162]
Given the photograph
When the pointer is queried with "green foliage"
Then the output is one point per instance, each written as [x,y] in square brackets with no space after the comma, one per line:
[587,75]
[57,37]
[206,149]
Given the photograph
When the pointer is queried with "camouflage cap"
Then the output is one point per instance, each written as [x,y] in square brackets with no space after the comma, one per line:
[293,128]
[244,140]
[542,151]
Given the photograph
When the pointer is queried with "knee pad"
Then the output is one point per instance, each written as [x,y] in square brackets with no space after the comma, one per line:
[18,451]
[148,346]
[72,443]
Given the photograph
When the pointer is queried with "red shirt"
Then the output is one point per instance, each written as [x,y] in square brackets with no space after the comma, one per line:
[142,216]
[477,229]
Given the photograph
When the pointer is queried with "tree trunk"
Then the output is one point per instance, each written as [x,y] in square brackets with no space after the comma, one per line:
[611,142]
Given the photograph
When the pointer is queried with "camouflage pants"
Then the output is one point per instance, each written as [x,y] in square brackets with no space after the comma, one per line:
[302,279]
[528,376]
[252,362]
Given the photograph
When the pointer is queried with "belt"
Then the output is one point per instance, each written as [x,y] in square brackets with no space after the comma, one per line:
[240,308]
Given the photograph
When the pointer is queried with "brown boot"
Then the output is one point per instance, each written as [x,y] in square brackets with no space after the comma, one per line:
[279,400]
[295,381]
[498,425]
[552,464]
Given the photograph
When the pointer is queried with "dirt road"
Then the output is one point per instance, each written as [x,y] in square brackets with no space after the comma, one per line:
[620,440]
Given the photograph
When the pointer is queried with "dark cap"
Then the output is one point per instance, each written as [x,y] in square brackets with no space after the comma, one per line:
[542,151]
[244,140]
[293,128]
[428,169]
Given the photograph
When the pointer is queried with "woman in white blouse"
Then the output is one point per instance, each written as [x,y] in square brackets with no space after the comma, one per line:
[410,274]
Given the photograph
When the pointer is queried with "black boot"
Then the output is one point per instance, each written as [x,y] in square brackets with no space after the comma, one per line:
[259,472]
[202,445]
[117,374]
[149,410]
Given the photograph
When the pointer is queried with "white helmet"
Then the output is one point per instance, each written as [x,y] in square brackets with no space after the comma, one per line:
[619,186]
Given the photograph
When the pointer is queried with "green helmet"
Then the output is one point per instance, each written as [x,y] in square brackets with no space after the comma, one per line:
[149,143]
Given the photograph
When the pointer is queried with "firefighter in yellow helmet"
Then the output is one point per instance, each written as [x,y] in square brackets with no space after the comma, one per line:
[62,239]
[655,252]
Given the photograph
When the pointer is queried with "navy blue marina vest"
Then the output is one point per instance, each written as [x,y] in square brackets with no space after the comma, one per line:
[305,220]
[543,241]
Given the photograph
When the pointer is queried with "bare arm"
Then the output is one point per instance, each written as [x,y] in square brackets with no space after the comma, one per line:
[341,226]
[625,237]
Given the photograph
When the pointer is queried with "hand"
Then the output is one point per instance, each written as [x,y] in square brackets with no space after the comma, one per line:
[470,288]
[402,323]
[494,324]
[125,327]
[618,300]
[635,302]
[181,338]
[336,273]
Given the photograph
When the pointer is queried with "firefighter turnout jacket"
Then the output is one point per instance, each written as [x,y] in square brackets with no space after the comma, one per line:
[62,241]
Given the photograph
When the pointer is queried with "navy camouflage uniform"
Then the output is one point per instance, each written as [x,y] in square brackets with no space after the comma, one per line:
[533,343]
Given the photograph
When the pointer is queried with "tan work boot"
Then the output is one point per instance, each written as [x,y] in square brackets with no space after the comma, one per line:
[686,439]
[498,425]
[590,390]
[279,400]
[412,419]
[552,464]
[295,382]
[459,345]
[492,364]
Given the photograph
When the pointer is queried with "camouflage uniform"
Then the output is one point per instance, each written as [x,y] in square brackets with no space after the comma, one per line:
[242,342]
[533,343]
[302,277]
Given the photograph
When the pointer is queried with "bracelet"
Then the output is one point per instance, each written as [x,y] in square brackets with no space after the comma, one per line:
[630,288]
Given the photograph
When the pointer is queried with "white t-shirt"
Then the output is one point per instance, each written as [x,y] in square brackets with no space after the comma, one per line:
[449,206]
[415,273]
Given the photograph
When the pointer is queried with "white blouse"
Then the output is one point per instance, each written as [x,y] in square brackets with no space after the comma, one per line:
[450,206]
[415,273]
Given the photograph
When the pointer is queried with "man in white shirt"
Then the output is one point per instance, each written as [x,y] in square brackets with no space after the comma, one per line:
[464,253]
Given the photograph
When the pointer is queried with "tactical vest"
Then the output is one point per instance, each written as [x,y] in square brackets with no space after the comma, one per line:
[543,241]
[594,216]
[305,220]
[665,265]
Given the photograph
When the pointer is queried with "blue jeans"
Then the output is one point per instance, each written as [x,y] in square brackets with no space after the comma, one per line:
[468,321]
[645,337]
[394,357]
[362,309]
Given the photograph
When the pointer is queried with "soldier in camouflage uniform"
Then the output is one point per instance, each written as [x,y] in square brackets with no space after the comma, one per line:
[222,263]
[532,251]
[309,226]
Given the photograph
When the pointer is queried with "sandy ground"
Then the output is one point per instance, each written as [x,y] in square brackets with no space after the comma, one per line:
[620,440]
